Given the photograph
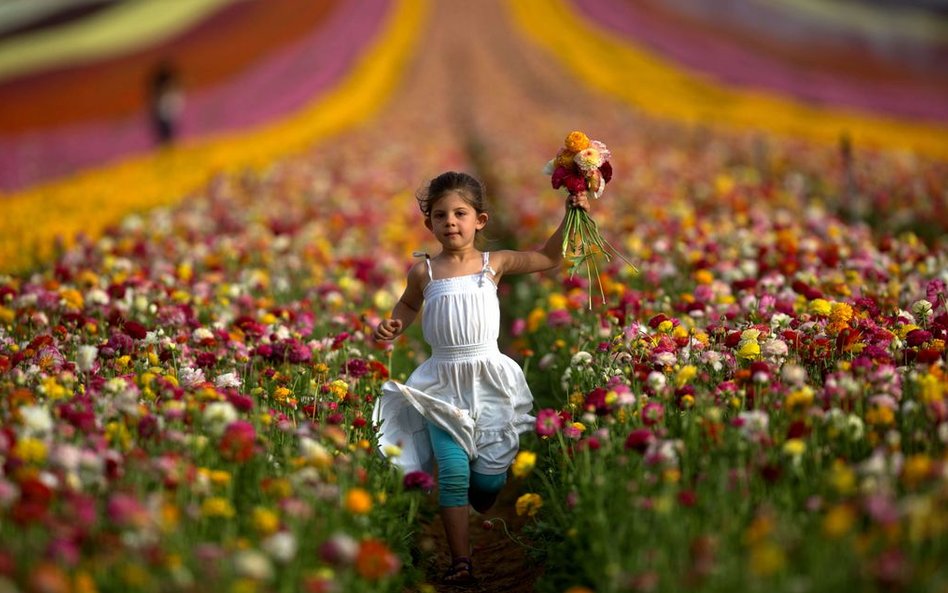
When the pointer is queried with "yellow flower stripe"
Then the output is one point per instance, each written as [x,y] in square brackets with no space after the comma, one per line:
[126,27]
[35,218]
[660,88]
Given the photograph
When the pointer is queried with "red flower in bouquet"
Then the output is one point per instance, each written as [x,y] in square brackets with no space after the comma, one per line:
[582,165]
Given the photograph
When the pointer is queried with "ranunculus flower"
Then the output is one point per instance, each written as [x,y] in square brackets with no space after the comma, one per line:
[548,422]
[238,441]
[653,413]
[640,439]
[576,141]
[375,560]
[529,504]
[418,480]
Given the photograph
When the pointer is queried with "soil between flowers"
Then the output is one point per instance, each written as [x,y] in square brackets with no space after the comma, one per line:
[501,565]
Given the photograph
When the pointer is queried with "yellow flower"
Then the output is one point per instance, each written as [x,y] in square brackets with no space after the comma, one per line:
[217,506]
[339,388]
[528,504]
[358,501]
[265,521]
[799,399]
[557,301]
[842,478]
[704,276]
[880,415]
[685,375]
[665,326]
[280,394]
[72,298]
[30,450]
[766,559]
[524,463]
[749,350]
[838,521]
[841,313]
[794,447]
[917,468]
[820,307]
[576,141]
[535,319]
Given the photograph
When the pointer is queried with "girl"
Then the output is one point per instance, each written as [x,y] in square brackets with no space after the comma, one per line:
[466,406]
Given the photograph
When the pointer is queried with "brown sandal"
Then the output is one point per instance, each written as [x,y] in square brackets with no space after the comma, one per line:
[461,572]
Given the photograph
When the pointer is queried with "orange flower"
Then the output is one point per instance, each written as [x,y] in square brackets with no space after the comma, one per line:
[375,561]
[577,141]
[358,501]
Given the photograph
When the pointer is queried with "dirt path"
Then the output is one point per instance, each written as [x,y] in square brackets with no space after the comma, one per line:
[501,564]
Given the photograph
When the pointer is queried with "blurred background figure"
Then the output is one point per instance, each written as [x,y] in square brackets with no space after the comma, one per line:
[166,101]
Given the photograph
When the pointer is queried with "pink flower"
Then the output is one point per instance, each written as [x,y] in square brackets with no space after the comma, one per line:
[653,413]
[238,441]
[418,480]
[548,422]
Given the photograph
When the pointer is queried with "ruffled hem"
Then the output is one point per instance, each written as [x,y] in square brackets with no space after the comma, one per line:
[400,414]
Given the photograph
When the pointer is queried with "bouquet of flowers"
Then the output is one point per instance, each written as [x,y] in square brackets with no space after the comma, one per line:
[582,165]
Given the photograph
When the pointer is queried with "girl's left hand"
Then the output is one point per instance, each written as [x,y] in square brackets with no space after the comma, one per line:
[580,201]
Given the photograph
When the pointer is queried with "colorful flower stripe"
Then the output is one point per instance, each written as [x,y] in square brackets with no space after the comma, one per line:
[204,55]
[97,198]
[807,65]
[26,15]
[901,21]
[277,86]
[654,84]
[128,26]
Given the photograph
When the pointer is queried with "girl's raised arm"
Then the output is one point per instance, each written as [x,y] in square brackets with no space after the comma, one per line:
[547,257]
[407,307]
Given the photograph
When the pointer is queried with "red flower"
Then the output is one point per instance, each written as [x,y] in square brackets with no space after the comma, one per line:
[375,561]
[572,180]
[606,170]
[238,440]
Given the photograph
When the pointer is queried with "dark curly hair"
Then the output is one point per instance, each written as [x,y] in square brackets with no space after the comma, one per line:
[470,189]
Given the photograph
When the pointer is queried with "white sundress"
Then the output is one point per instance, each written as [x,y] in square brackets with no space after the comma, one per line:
[468,386]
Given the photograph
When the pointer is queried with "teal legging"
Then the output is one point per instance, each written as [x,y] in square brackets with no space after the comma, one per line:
[455,477]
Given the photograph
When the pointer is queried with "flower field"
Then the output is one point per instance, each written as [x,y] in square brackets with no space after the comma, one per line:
[186,396]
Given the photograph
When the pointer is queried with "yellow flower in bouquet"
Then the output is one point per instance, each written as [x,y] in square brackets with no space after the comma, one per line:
[576,141]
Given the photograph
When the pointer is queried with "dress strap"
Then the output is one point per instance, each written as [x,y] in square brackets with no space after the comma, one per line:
[427,257]
[486,268]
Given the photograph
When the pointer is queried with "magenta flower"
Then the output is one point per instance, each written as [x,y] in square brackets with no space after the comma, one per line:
[640,439]
[549,422]
[653,413]
[418,480]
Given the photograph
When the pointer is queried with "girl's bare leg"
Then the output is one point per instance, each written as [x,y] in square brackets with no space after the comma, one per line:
[456,527]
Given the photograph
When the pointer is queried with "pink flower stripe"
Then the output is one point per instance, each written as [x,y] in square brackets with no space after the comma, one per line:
[281,84]
[730,62]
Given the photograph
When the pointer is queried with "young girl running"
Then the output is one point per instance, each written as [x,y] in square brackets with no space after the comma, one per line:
[466,406]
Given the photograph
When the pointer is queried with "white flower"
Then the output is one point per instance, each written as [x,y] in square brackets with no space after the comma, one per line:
[218,415]
[253,564]
[85,357]
[97,296]
[581,358]
[227,380]
[36,419]
[656,381]
[922,309]
[793,374]
[201,334]
[189,377]
[281,546]
[755,422]
[774,348]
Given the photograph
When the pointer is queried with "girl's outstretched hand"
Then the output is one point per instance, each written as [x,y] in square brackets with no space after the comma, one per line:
[580,201]
[388,329]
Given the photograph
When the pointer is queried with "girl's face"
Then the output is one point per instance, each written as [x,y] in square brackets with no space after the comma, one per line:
[454,222]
